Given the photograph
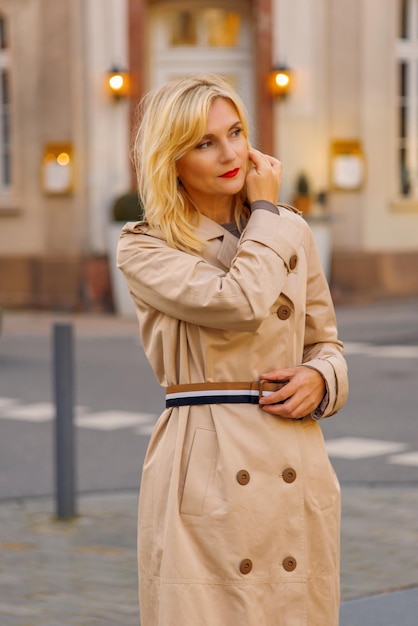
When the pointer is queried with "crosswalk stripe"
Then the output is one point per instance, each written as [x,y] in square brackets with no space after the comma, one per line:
[358,448]
[6,403]
[39,412]
[352,347]
[409,458]
[113,420]
[384,351]
[145,430]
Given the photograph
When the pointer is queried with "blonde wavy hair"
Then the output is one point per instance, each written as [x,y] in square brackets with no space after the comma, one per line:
[172,121]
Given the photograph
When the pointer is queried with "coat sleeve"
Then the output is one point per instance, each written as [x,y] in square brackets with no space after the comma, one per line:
[187,287]
[323,350]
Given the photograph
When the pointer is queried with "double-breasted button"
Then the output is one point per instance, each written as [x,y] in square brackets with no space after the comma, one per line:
[289,475]
[283,312]
[245,566]
[289,563]
[293,261]
[243,477]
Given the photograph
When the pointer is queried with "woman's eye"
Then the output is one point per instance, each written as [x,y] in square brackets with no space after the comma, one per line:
[236,132]
[203,145]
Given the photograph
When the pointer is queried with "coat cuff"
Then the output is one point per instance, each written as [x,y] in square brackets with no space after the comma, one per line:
[328,403]
[265,205]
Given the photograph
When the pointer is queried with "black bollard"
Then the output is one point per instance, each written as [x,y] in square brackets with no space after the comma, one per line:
[65,488]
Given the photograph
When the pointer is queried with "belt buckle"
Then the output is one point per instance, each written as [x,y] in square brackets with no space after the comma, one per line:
[261,384]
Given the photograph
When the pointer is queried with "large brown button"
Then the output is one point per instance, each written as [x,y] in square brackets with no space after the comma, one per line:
[289,475]
[245,566]
[283,312]
[243,477]
[289,563]
[293,261]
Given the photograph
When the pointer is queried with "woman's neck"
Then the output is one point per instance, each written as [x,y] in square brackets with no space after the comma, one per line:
[220,210]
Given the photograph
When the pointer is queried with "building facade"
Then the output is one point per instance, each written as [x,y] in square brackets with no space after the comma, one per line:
[348,126]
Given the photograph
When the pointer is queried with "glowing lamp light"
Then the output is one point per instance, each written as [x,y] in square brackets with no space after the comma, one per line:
[63,159]
[118,83]
[57,169]
[280,81]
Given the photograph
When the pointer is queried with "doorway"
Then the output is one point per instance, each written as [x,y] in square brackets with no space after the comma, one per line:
[193,37]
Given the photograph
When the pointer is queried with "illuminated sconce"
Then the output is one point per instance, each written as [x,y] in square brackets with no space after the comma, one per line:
[280,81]
[347,165]
[118,83]
[57,171]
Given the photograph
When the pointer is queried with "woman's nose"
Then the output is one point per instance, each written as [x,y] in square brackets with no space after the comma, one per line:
[227,153]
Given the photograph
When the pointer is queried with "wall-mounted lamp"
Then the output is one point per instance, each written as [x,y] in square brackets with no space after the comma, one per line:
[57,169]
[118,83]
[280,81]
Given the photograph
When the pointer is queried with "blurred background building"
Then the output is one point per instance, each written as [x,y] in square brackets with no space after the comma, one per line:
[331,87]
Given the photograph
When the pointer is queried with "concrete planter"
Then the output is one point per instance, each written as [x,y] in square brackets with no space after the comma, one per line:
[124,304]
[321,229]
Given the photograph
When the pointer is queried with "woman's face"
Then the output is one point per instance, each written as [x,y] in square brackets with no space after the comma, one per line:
[217,166]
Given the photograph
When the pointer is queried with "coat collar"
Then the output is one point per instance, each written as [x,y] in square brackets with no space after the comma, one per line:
[207,229]
[221,245]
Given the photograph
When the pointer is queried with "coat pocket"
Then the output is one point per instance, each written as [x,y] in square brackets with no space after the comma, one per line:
[199,468]
[322,486]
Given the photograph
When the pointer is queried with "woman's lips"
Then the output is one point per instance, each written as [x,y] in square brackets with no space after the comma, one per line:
[230,174]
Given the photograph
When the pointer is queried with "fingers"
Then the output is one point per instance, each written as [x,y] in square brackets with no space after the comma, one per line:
[300,396]
[295,407]
[259,159]
[264,178]
[264,164]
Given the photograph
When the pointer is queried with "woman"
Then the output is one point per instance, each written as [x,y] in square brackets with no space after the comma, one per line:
[239,506]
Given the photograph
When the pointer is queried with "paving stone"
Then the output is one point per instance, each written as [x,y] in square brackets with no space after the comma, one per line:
[56,573]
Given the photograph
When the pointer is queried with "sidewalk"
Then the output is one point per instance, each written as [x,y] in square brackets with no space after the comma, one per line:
[56,573]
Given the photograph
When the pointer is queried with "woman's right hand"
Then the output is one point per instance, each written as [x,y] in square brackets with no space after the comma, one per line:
[264,178]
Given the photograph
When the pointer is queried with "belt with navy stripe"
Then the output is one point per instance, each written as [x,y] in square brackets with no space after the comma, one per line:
[220,393]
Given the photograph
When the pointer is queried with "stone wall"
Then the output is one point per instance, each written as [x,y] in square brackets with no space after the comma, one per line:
[359,276]
[56,283]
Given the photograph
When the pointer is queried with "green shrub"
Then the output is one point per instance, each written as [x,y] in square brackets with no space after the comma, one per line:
[302,185]
[127,208]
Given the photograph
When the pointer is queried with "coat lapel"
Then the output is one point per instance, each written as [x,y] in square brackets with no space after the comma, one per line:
[221,245]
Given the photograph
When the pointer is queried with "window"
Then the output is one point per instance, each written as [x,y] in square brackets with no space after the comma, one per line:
[407,113]
[211,26]
[5,113]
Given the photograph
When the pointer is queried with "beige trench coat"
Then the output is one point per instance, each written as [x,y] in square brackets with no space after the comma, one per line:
[218,546]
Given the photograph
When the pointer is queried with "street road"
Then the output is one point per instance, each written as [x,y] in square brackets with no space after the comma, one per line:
[373,440]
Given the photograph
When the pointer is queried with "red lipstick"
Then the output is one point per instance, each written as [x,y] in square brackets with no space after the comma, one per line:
[230,174]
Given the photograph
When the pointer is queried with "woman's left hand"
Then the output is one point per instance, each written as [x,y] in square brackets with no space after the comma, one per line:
[300,396]
[264,178]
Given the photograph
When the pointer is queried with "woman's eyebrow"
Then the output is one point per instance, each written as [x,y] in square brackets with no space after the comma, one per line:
[234,125]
